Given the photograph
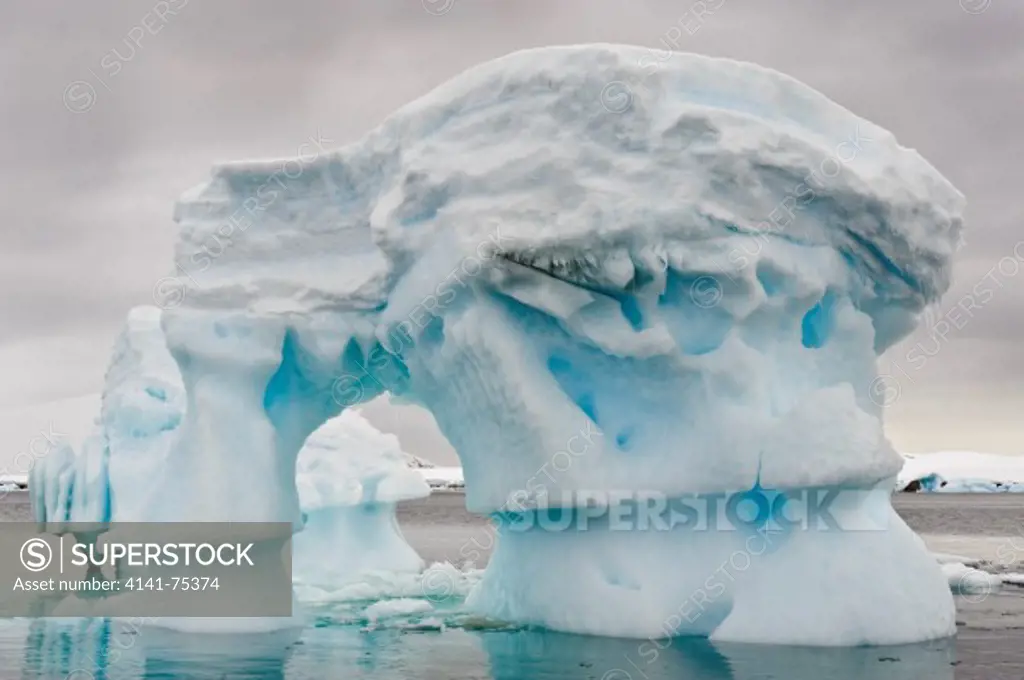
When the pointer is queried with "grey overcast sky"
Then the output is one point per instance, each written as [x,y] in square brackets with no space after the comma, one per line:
[95,146]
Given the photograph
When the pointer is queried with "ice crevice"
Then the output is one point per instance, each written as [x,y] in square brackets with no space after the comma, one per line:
[691,293]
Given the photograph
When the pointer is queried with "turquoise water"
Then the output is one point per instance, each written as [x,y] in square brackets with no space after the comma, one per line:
[404,627]
[87,649]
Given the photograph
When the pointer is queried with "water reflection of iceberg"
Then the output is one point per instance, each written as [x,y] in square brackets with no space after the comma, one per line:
[85,649]
[532,654]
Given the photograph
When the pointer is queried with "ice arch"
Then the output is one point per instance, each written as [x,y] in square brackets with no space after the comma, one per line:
[600,269]
[347,475]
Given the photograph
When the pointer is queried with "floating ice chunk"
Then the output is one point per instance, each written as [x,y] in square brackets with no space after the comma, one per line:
[438,583]
[964,580]
[1013,579]
[387,609]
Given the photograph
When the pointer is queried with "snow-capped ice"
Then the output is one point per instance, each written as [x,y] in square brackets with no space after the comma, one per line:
[680,291]
[962,472]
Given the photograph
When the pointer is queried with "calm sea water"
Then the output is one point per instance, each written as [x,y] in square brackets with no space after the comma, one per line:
[344,641]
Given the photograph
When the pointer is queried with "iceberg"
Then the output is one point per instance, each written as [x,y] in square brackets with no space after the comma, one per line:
[65,488]
[114,474]
[605,275]
[348,475]
[966,580]
[961,472]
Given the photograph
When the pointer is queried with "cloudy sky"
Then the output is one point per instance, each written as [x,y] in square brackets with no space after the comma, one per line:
[112,109]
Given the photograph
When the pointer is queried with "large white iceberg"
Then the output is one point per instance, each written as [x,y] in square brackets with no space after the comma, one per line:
[602,269]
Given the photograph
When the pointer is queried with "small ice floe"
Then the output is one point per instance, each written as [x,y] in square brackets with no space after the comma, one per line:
[974,584]
[1013,579]
[387,609]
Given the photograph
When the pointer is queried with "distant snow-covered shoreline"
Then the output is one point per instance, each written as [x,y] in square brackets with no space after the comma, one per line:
[961,472]
[939,472]
[942,471]
[443,478]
